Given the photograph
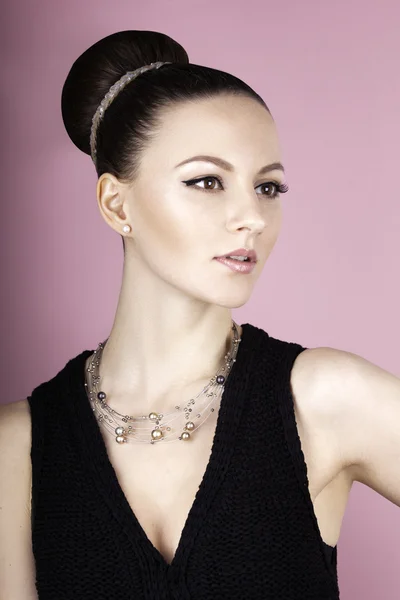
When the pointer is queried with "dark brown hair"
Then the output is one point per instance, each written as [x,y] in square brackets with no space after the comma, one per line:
[132,119]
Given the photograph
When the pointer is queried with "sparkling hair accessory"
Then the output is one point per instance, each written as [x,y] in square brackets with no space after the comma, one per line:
[111,95]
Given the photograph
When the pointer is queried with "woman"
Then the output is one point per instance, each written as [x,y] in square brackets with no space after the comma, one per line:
[187,456]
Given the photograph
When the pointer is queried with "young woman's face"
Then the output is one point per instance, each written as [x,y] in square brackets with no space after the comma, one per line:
[179,226]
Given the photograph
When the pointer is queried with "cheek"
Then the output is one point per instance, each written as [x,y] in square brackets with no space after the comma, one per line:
[275,219]
[273,224]
[167,224]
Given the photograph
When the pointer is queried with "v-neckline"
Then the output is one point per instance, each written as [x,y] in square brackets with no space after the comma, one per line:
[105,477]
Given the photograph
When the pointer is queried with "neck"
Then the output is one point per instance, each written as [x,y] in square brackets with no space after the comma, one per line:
[162,347]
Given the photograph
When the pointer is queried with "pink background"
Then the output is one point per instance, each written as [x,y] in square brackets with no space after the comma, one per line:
[330,74]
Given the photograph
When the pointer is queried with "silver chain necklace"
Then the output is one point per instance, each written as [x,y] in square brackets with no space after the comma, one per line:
[178,424]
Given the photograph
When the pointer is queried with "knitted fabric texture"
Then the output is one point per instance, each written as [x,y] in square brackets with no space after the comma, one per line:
[251,532]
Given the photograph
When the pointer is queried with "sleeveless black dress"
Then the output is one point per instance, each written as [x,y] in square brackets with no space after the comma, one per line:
[251,532]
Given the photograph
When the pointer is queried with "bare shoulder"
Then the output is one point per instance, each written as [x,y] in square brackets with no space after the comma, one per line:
[15,446]
[317,379]
[15,413]
[331,382]
[15,428]
[321,371]
[17,579]
[350,407]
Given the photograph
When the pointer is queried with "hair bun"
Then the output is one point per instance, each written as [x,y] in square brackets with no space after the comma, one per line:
[100,66]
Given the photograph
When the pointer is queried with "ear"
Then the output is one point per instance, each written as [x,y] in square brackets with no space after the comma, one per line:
[111,199]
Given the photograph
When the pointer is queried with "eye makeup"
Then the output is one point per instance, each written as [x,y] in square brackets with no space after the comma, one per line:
[280,188]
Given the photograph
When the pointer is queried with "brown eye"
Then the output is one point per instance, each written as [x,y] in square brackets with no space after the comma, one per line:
[208,183]
[271,189]
[268,189]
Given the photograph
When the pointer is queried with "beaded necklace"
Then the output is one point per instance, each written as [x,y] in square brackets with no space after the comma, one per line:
[177,424]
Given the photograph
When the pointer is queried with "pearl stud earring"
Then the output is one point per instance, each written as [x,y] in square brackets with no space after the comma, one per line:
[126,228]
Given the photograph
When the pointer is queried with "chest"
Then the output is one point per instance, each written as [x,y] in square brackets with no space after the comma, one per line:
[160,482]
[227,514]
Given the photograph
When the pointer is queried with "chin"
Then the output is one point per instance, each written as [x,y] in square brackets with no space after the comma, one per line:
[229,299]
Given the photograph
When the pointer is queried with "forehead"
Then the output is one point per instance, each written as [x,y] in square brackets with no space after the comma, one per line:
[238,129]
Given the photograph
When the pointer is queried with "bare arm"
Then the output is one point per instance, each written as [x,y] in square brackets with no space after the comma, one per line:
[17,567]
[362,409]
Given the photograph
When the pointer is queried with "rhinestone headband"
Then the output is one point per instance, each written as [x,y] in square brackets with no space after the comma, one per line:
[110,97]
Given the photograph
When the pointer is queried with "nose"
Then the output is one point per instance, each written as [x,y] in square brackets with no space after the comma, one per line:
[247,213]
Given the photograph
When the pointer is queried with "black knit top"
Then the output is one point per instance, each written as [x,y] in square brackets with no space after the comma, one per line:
[251,532]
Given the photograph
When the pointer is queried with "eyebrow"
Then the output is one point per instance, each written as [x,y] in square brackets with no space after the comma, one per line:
[227,166]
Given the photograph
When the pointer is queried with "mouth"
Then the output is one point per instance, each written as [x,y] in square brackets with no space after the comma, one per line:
[240,255]
[236,264]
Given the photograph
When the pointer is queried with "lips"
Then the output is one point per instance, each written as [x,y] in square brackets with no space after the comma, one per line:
[250,254]
[236,265]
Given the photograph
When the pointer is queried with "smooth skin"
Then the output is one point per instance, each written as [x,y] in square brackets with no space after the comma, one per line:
[172,328]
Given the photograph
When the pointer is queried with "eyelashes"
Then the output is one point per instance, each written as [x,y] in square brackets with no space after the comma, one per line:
[279,188]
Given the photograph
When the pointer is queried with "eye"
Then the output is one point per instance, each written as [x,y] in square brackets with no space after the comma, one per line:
[273,188]
[209,183]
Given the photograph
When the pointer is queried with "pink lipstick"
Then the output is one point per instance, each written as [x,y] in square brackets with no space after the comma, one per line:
[240,260]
